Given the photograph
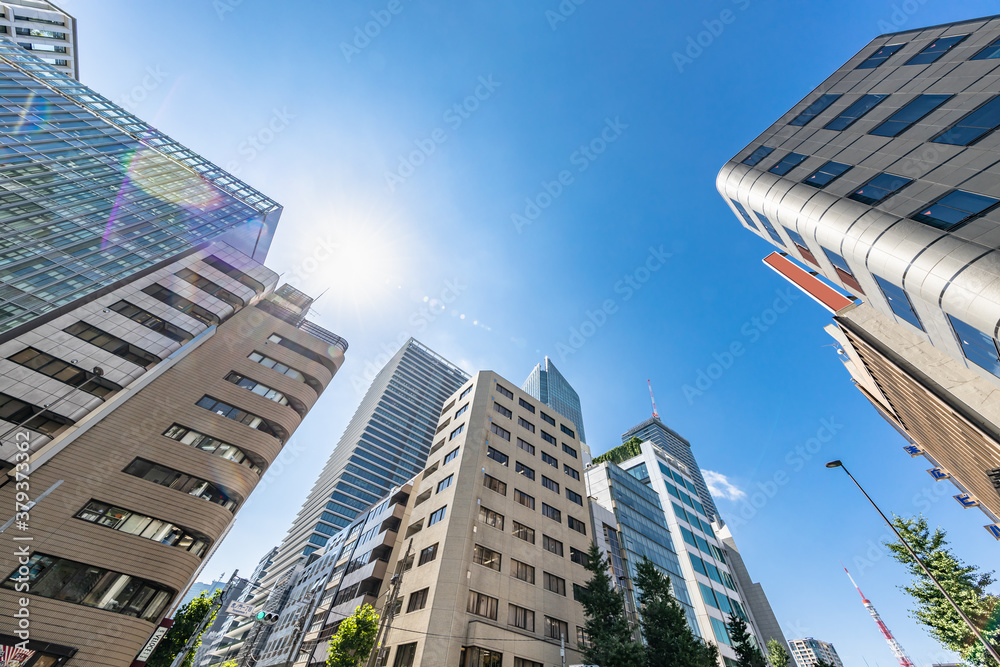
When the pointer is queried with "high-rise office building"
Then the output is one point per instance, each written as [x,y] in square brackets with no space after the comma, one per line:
[93,196]
[548,385]
[751,591]
[384,445]
[884,180]
[44,29]
[144,417]
[807,652]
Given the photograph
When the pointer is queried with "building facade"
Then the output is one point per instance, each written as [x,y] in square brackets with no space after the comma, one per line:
[548,385]
[44,29]
[807,652]
[143,418]
[884,181]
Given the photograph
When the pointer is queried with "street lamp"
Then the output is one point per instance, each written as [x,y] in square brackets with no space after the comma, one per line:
[989,648]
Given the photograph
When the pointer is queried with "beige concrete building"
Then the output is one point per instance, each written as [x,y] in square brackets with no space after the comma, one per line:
[147,413]
[807,652]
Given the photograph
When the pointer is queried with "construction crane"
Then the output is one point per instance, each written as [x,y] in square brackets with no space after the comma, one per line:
[897,650]
[655,415]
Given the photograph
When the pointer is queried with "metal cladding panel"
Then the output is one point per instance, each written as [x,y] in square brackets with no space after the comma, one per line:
[826,296]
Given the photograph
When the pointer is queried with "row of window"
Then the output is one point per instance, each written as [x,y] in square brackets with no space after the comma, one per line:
[522,498]
[930,53]
[65,372]
[134,523]
[526,533]
[507,393]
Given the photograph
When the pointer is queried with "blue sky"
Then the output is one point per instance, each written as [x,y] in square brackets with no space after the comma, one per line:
[567,207]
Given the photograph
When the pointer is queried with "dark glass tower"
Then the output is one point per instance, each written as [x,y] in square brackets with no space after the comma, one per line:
[550,387]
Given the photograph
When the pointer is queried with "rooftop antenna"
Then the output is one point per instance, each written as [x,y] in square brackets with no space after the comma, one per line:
[894,645]
[655,413]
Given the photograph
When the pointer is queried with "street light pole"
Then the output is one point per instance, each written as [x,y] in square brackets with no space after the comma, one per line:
[989,647]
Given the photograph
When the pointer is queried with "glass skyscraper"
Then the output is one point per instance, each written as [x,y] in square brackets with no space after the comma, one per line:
[550,387]
[91,195]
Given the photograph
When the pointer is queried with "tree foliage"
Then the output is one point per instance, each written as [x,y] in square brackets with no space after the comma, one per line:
[610,637]
[965,584]
[186,622]
[747,652]
[777,654]
[354,640]
[670,641]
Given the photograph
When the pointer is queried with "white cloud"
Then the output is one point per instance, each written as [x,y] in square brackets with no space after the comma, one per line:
[720,486]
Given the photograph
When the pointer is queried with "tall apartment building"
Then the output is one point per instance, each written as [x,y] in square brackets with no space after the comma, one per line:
[143,418]
[807,652]
[94,197]
[385,444]
[655,500]
[45,30]
[751,591]
[548,385]
[884,180]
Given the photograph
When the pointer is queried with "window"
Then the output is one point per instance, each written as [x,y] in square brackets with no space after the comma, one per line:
[133,523]
[548,438]
[553,583]
[465,393]
[70,581]
[852,113]
[482,605]
[880,56]
[473,656]
[444,483]
[577,556]
[935,50]
[418,600]
[991,51]
[504,391]
[547,419]
[490,518]
[878,188]
[551,460]
[526,446]
[65,372]
[256,387]
[497,456]
[571,472]
[436,516]
[461,411]
[522,571]
[549,484]
[978,347]
[150,321]
[456,432]
[569,450]
[522,469]
[721,633]
[551,512]
[567,430]
[486,557]
[233,272]
[912,113]
[582,638]
[843,270]
[800,243]
[954,208]
[206,285]
[526,424]
[235,414]
[519,617]
[502,410]
[574,497]
[814,109]
[577,525]
[207,443]
[524,499]
[551,545]
[174,479]
[177,302]
[556,629]
[112,344]
[899,302]
[523,532]
[826,174]
[527,406]
[268,362]
[494,484]
[405,654]
[427,555]
[758,154]
[450,456]
[708,595]
[787,163]
[771,231]
[503,433]
[974,126]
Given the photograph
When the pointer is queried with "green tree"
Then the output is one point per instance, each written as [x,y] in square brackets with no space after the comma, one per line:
[777,654]
[354,640]
[186,622]
[965,583]
[610,636]
[669,640]
[747,652]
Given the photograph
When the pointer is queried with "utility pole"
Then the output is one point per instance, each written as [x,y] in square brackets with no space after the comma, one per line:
[562,648]
[209,615]
[385,622]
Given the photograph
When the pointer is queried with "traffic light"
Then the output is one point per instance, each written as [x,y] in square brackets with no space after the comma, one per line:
[267,617]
